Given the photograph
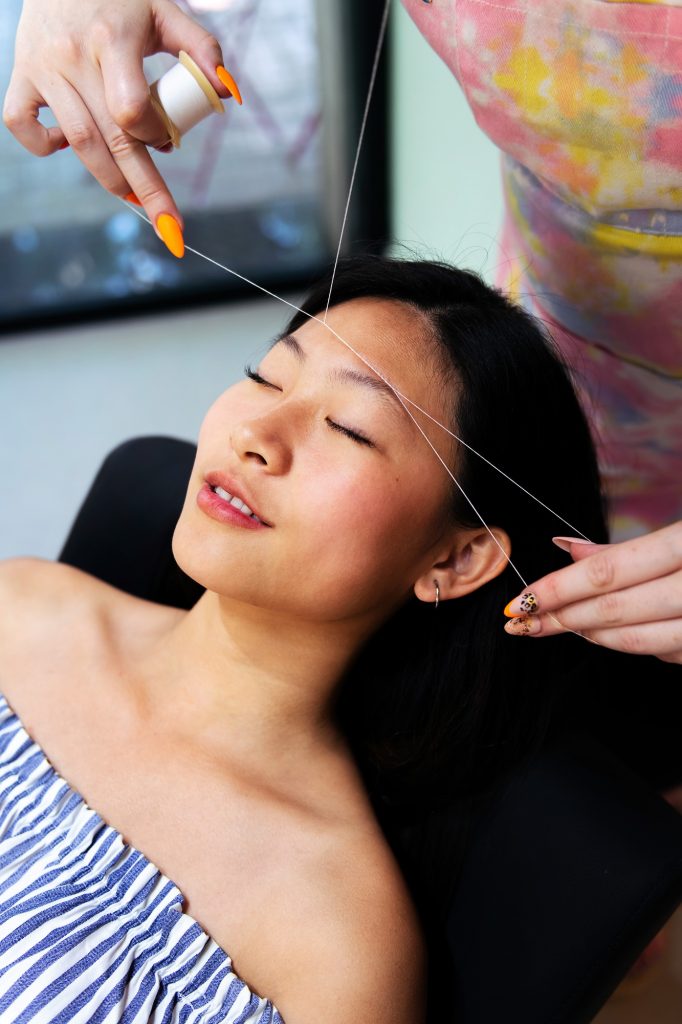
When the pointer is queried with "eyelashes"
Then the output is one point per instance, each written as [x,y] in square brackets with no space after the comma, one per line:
[354,435]
[256,377]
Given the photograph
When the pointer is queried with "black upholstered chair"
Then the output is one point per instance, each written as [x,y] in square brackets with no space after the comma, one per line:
[572,868]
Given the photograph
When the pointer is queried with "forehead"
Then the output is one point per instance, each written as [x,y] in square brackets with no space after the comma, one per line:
[397,340]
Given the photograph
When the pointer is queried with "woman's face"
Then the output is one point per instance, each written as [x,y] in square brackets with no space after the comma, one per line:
[352,502]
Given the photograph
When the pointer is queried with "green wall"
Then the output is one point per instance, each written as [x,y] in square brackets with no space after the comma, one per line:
[446,198]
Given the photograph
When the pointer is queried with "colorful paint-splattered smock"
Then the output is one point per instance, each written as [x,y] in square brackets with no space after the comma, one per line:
[585,99]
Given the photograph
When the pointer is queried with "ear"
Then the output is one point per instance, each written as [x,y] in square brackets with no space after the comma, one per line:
[472,558]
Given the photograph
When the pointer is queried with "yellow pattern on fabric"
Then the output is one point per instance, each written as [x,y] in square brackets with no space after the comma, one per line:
[523,78]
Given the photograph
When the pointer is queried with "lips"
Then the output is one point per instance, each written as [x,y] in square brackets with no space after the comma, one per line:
[233,500]
[236,495]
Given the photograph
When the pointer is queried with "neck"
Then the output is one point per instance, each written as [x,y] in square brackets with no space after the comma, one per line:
[236,674]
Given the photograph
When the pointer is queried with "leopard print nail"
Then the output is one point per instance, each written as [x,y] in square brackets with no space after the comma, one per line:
[522,625]
[529,603]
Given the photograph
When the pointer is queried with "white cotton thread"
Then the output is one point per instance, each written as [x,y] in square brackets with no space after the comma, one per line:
[492,465]
[377,57]
[403,399]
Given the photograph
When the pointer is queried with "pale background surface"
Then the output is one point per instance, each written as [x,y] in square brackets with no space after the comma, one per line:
[68,396]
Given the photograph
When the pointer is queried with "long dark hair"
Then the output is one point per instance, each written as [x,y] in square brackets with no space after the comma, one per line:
[440,703]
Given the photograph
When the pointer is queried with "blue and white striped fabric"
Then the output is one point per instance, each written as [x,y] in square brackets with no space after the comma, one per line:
[90,931]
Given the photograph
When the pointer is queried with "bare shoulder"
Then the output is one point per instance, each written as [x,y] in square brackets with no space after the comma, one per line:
[32,577]
[360,953]
[30,586]
[40,582]
[40,602]
[65,641]
[41,599]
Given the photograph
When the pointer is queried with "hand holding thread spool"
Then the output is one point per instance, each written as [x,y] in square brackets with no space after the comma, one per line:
[183,96]
[84,62]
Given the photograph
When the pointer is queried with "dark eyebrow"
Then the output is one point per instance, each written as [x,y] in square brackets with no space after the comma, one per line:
[346,374]
[290,341]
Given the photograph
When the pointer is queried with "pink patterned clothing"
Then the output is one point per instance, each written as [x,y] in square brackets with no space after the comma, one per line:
[584,97]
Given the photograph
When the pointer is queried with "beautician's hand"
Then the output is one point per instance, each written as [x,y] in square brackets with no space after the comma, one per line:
[83,59]
[626,596]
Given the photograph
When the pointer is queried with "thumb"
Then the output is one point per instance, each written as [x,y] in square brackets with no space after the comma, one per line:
[177,31]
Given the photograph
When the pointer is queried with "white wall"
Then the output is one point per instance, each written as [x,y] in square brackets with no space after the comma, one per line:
[68,396]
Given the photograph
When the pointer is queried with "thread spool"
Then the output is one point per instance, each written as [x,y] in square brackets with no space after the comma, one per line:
[183,97]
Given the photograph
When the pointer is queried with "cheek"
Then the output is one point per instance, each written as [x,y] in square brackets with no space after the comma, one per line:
[368,523]
[213,427]
[214,442]
[224,411]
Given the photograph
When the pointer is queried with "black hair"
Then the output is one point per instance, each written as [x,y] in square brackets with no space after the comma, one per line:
[440,703]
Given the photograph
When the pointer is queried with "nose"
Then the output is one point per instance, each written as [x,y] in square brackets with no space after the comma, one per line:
[258,441]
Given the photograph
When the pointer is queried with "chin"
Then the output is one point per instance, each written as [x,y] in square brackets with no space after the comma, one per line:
[216,560]
[200,555]
[225,562]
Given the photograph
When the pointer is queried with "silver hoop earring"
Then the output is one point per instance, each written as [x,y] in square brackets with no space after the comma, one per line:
[435,583]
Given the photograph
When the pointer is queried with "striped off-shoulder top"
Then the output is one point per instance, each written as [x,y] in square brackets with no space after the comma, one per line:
[90,931]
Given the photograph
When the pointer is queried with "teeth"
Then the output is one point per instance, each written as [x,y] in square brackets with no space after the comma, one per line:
[237,502]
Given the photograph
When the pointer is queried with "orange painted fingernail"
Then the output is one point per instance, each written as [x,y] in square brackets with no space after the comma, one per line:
[171,234]
[509,613]
[132,198]
[229,83]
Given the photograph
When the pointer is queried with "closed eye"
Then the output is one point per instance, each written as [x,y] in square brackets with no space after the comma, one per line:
[353,434]
[256,377]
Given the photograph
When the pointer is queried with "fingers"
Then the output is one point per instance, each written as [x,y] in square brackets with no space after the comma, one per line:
[85,138]
[120,163]
[137,171]
[647,602]
[20,114]
[146,182]
[580,551]
[610,568]
[88,69]
[176,31]
[662,639]
[624,596]
[126,94]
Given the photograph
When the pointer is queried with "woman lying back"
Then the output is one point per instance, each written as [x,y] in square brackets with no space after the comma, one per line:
[267,775]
